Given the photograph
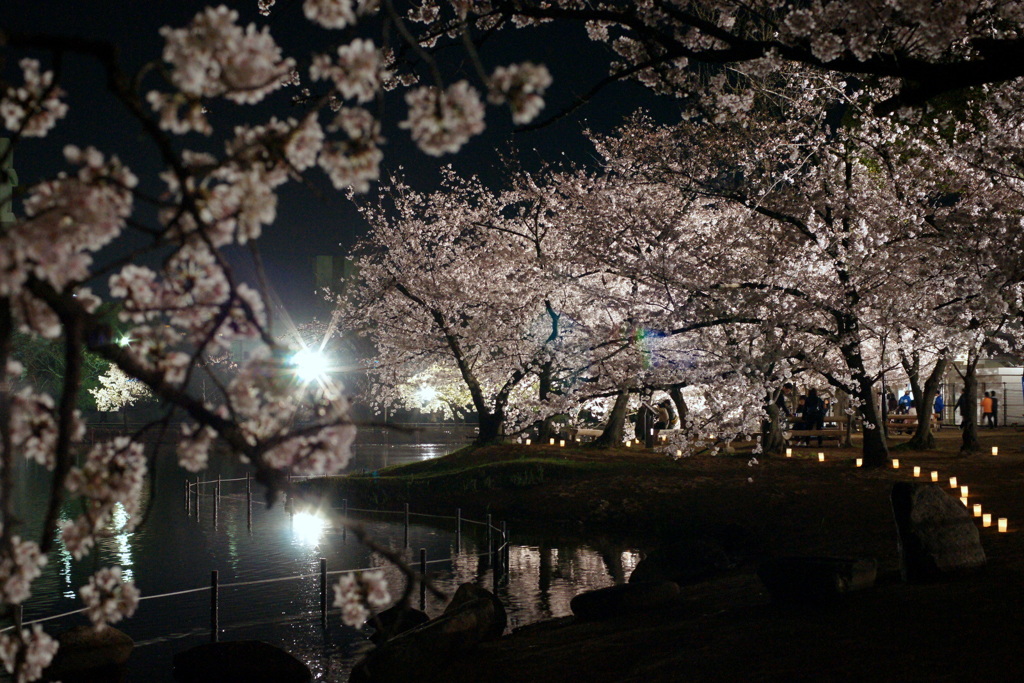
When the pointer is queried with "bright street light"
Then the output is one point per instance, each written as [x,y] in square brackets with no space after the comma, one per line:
[425,394]
[310,365]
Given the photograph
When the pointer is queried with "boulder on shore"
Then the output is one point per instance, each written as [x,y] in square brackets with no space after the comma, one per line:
[626,598]
[682,562]
[396,620]
[815,580]
[935,533]
[86,654]
[239,661]
[468,592]
[417,652]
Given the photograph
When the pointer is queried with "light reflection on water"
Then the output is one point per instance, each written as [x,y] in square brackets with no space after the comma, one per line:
[172,552]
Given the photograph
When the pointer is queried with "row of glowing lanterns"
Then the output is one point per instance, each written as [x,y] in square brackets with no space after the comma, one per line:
[561,444]
[986,517]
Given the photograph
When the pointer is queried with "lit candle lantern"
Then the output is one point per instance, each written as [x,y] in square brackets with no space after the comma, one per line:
[552,441]
[527,442]
[860,461]
[977,509]
[1002,525]
[986,519]
[628,444]
[963,490]
[679,454]
[789,452]
[963,499]
[821,457]
[995,450]
[917,471]
[952,482]
[895,463]
[935,476]
[561,443]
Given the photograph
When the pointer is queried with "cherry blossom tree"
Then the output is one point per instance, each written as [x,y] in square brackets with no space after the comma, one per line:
[117,390]
[838,219]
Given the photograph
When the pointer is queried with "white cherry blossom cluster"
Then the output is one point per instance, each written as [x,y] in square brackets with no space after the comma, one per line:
[355,162]
[214,56]
[113,473]
[34,426]
[198,298]
[358,72]
[32,647]
[34,108]
[108,598]
[194,447]
[442,122]
[522,86]
[21,563]
[357,594]
[336,13]
[65,219]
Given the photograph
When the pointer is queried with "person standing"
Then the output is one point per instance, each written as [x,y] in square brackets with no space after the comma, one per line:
[814,413]
[939,406]
[961,405]
[986,410]
[995,410]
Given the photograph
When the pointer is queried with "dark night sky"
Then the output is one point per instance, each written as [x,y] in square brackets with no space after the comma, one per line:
[311,220]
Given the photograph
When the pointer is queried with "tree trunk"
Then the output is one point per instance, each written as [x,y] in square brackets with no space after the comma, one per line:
[614,430]
[492,427]
[772,439]
[682,410]
[843,403]
[924,438]
[970,443]
[875,450]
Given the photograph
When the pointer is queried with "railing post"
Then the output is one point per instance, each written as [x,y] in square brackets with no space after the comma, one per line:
[188,499]
[197,498]
[218,488]
[406,525]
[214,609]
[423,578]
[490,535]
[248,501]
[323,591]
[503,550]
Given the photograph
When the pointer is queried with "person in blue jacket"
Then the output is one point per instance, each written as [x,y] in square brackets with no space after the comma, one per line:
[940,405]
[905,402]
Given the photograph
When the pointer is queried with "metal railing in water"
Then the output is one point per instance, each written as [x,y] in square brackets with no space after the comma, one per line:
[497,552]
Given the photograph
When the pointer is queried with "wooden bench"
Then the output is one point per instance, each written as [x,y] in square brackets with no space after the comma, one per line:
[837,435]
[907,424]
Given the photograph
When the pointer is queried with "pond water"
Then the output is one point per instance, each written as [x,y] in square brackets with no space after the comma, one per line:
[176,550]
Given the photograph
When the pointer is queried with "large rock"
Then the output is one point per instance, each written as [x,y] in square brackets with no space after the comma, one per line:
[86,654]
[410,656]
[396,620]
[815,580]
[627,598]
[468,592]
[682,562]
[239,661]
[935,532]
